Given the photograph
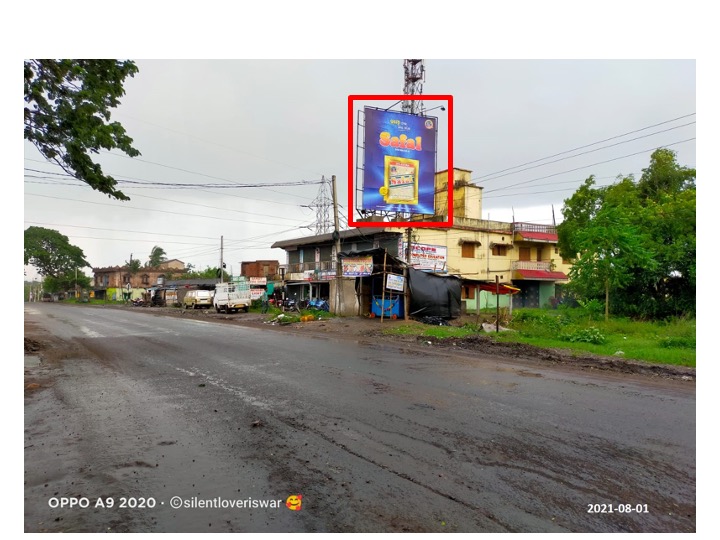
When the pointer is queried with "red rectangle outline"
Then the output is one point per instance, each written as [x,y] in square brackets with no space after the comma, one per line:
[351,169]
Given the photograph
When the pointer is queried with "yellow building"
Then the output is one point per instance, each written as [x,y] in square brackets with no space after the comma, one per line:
[524,255]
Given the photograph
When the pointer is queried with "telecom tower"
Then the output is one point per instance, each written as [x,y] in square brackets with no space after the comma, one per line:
[414,77]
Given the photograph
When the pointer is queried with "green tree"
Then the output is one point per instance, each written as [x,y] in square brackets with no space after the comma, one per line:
[67,115]
[157,256]
[52,254]
[208,273]
[66,282]
[665,176]
[609,248]
[660,210]
[578,211]
[133,266]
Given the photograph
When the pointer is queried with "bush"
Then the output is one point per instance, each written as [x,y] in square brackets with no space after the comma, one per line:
[585,335]
[593,308]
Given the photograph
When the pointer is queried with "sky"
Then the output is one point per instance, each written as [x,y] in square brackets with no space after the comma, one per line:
[531,131]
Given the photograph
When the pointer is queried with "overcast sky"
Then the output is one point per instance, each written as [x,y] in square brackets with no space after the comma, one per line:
[530,132]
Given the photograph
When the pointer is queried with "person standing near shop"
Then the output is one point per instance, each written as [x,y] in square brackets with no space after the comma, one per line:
[264,301]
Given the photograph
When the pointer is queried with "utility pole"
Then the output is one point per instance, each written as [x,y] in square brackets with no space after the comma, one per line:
[497,303]
[336,237]
[222,277]
[408,249]
[408,255]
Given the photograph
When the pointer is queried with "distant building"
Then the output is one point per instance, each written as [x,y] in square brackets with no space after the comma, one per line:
[266,269]
[117,277]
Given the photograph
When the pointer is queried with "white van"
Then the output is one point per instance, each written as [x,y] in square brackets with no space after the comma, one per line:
[197,299]
[231,298]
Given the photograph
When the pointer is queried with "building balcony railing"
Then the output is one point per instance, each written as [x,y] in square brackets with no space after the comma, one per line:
[532,265]
[298,268]
[518,226]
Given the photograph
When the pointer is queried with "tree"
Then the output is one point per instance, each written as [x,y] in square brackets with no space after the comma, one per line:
[67,115]
[133,266]
[66,282]
[664,176]
[578,211]
[660,210]
[157,256]
[52,253]
[609,248]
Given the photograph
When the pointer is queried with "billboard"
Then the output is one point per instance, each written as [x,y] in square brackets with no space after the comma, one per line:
[399,168]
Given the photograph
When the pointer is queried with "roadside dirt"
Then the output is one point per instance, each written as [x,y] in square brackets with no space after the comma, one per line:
[371,330]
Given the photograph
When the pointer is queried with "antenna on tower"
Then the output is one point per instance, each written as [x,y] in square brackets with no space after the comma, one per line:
[414,77]
[322,204]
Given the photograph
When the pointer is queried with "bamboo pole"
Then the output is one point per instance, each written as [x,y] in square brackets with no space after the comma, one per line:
[382,302]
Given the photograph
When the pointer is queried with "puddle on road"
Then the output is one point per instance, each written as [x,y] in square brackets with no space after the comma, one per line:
[32,360]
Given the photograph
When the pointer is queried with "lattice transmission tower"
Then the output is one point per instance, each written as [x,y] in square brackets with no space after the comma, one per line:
[323,206]
[414,77]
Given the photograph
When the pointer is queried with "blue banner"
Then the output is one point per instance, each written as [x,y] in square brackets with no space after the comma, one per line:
[399,167]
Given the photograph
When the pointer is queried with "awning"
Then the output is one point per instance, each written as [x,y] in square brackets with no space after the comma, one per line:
[537,236]
[539,275]
[495,289]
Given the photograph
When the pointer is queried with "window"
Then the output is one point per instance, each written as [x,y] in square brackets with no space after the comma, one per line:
[468,250]
[468,292]
[499,251]
[145,279]
[539,254]
[524,253]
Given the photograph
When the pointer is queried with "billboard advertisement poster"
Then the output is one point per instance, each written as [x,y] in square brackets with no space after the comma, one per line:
[404,172]
[399,167]
[257,281]
[357,266]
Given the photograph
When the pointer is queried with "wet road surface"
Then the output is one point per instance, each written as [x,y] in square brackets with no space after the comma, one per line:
[375,437]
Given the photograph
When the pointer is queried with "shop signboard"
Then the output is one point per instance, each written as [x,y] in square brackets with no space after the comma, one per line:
[425,257]
[395,282]
[357,266]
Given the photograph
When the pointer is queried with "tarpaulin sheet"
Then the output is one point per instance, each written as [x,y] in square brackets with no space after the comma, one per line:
[434,296]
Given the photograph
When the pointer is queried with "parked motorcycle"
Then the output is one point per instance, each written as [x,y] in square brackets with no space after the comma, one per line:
[320,305]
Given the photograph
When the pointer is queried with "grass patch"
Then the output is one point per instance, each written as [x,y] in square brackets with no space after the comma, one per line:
[664,342]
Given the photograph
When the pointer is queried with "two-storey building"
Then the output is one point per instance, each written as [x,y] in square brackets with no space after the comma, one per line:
[111,280]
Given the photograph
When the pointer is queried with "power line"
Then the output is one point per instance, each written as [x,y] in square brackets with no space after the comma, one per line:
[150,210]
[589,151]
[585,146]
[215,143]
[591,165]
[145,184]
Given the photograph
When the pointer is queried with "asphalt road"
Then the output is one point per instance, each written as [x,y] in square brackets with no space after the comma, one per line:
[376,437]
